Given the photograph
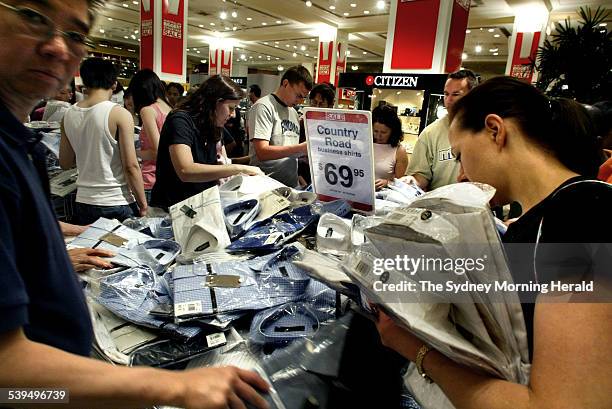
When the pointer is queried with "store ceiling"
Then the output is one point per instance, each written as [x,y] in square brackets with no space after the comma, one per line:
[273,32]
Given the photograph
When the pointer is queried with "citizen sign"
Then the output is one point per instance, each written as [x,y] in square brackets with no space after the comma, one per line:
[392,81]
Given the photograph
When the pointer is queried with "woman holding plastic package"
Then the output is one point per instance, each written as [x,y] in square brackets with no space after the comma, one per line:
[191,156]
[390,158]
[534,150]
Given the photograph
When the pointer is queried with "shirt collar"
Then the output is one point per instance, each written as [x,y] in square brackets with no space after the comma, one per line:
[279,101]
[14,131]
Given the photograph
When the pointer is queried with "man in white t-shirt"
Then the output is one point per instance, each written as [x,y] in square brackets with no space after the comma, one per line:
[432,164]
[275,128]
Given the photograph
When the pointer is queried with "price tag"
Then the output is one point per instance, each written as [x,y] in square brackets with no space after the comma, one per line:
[340,151]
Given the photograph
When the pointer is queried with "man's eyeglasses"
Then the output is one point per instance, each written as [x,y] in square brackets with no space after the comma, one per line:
[297,93]
[37,25]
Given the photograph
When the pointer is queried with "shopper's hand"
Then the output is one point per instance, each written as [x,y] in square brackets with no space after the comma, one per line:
[395,337]
[250,170]
[380,183]
[84,259]
[69,229]
[226,387]
[143,210]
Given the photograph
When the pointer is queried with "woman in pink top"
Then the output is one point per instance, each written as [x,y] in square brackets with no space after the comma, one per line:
[149,95]
[390,157]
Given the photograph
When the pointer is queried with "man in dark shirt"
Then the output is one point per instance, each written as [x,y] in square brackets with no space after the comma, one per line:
[45,332]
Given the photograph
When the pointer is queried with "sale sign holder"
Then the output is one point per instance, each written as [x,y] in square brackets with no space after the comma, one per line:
[340,152]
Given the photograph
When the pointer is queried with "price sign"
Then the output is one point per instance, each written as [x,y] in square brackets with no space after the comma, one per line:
[340,152]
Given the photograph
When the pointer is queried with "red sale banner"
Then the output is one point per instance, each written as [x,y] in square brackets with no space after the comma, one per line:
[147,21]
[173,33]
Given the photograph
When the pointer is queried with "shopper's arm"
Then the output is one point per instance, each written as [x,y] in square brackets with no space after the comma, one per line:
[67,157]
[149,125]
[125,125]
[189,171]
[95,384]
[401,162]
[265,151]
[571,368]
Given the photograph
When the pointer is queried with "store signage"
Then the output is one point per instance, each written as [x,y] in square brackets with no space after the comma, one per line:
[392,81]
[240,81]
[348,93]
[172,44]
[340,152]
[147,16]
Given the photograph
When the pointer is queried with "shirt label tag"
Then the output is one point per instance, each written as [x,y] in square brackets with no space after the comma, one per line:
[214,340]
[188,308]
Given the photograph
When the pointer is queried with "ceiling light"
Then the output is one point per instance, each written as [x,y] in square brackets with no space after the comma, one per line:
[275,46]
[135,31]
[493,50]
[418,93]
[468,31]
[348,52]
[136,3]
[353,5]
[234,14]
[464,56]
[265,42]
[354,67]
[496,35]
[264,24]
[126,5]
[278,21]
[303,48]
[380,4]
[398,92]
[250,57]
[110,19]
[234,28]
[201,25]
[242,57]
[332,7]
[203,61]
[478,48]
[277,58]
[345,14]
[249,19]
[102,30]
[308,3]
[259,56]
[126,37]
[280,68]
[491,30]
[366,12]
[287,45]
[223,15]
[365,52]
[495,53]
[212,24]
[603,24]
[187,49]
[307,55]
[133,37]
[198,51]
[294,54]
[313,39]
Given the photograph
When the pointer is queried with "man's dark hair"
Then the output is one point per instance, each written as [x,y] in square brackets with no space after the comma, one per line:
[327,92]
[177,86]
[298,74]
[255,90]
[472,79]
[98,73]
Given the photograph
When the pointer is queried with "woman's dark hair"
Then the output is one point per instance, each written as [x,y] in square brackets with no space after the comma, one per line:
[327,92]
[201,105]
[386,115]
[146,88]
[560,126]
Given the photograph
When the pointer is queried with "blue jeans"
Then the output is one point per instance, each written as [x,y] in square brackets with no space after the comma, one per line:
[87,214]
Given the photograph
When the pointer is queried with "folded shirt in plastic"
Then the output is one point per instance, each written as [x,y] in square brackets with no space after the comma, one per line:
[198,223]
[133,293]
[239,215]
[283,324]
[109,235]
[208,289]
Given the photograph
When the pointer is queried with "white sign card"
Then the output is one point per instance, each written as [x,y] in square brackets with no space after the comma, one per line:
[340,152]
